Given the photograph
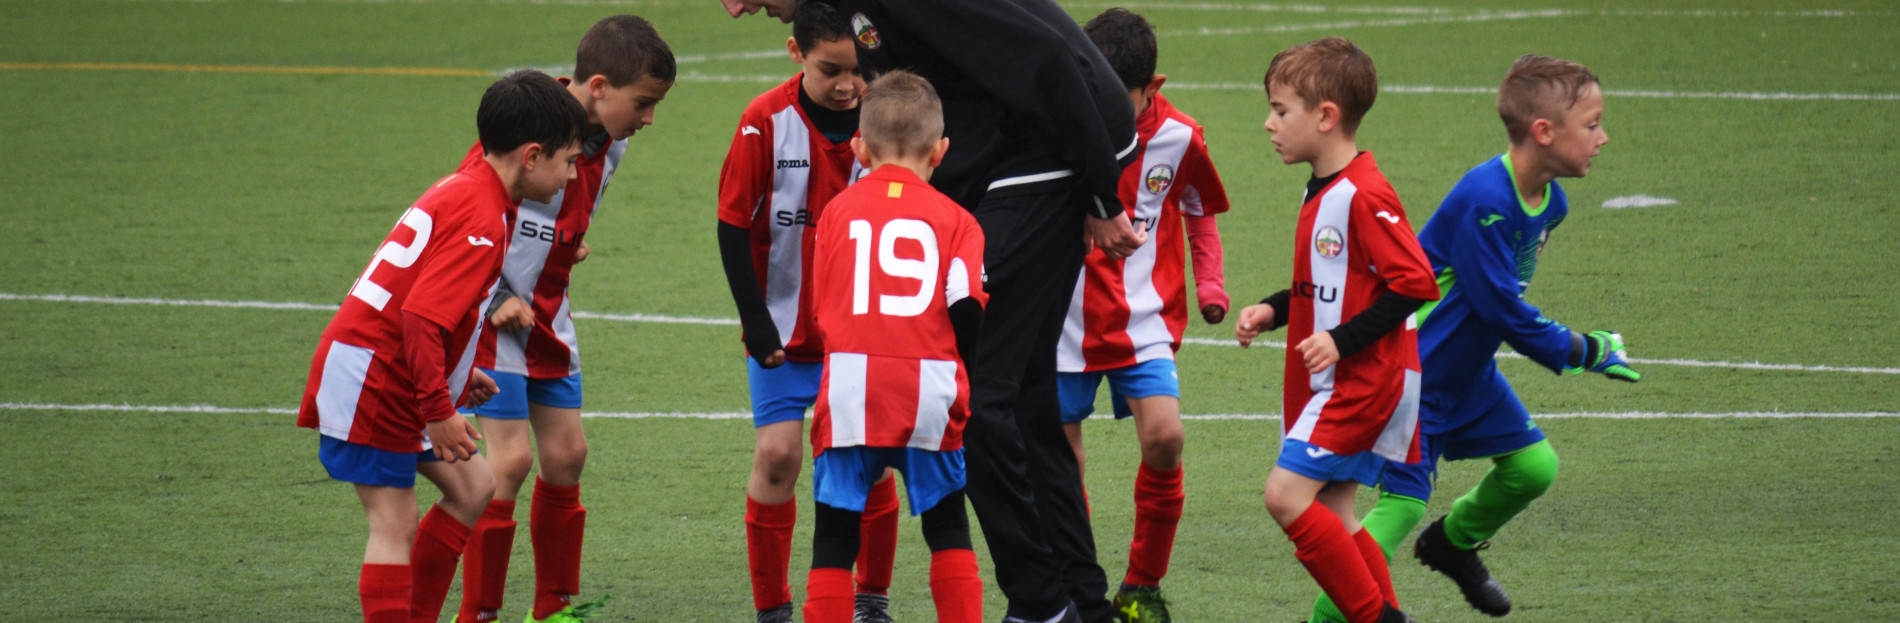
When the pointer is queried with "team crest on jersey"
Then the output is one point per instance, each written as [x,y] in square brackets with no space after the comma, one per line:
[866,33]
[1329,242]
[1159,178]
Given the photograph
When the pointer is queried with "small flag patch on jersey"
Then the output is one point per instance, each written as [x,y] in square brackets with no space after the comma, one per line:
[897,190]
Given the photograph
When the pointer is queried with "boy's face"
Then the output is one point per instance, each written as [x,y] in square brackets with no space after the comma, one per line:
[626,109]
[1295,128]
[831,73]
[549,172]
[1576,140]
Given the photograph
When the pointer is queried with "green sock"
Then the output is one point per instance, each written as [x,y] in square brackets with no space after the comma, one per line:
[1514,481]
[1389,521]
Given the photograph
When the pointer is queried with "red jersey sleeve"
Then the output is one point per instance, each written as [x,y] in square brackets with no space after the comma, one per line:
[746,178]
[1385,237]
[462,260]
[1202,193]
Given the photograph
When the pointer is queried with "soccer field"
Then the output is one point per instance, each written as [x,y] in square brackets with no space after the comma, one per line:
[196,184]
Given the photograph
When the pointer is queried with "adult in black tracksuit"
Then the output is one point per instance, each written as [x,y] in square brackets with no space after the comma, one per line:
[1039,130]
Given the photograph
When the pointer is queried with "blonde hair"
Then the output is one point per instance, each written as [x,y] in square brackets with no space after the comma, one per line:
[1328,70]
[1540,87]
[900,115]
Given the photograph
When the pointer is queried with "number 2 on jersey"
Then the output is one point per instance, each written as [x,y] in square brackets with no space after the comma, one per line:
[924,270]
[396,255]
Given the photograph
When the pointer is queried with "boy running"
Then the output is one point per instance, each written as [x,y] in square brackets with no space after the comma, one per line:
[1352,376]
[1127,315]
[898,278]
[622,70]
[791,155]
[396,358]
[1484,242]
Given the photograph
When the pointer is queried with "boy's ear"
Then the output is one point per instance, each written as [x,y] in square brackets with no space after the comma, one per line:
[861,151]
[1542,132]
[531,154]
[1154,84]
[1328,116]
[936,153]
[791,47]
[597,86]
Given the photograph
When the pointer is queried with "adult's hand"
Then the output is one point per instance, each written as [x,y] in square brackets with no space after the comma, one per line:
[1113,235]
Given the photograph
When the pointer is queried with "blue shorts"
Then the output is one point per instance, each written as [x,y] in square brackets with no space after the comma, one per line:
[364,465]
[1154,377]
[842,477]
[1321,464]
[1500,428]
[782,394]
[511,403]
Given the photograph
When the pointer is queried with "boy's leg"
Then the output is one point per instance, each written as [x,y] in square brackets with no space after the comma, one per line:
[1075,391]
[828,590]
[1309,493]
[485,566]
[467,486]
[780,397]
[877,551]
[1404,490]
[1158,488]
[955,587]
[1514,481]
[385,583]
[557,522]
[1524,466]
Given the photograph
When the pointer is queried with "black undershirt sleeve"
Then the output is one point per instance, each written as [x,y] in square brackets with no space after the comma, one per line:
[1278,302]
[966,318]
[1385,314]
[735,251]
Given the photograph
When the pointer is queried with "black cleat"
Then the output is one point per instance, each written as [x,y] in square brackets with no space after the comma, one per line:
[1463,567]
[780,614]
[1393,615]
[872,608]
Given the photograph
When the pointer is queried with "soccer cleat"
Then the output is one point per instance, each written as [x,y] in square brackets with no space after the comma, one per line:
[572,613]
[1393,615]
[781,613]
[1141,604]
[1481,590]
[872,608]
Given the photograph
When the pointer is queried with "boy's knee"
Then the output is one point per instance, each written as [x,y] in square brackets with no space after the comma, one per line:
[1531,472]
[779,463]
[564,460]
[1163,448]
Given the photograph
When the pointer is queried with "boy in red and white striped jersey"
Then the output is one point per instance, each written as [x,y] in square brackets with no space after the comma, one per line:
[1127,316]
[622,70]
[396,359]
[1352,372]
[790,155]
[898,297]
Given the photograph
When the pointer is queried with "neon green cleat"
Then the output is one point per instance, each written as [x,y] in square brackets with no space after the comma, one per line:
[1141,605]
[572,613]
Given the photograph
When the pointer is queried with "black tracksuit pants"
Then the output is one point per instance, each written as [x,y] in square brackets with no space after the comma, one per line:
[1023,480]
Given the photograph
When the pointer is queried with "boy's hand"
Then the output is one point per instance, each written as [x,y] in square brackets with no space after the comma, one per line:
[580,255]
[1606,356]
[513,315]
[1319,351]
[1253,320]
[776,359]
[454,438]
[481,388]
[1114,235]
[1213,314]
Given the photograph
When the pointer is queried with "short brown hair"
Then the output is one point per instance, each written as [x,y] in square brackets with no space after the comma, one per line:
[1540,87]
[624,49]
[1328,70]
[1127,40]
[900,115]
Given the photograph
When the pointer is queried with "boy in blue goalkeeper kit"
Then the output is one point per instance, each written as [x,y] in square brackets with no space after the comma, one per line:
[1484,242]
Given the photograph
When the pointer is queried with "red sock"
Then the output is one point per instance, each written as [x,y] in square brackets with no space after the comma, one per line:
[485,562]
[1321,543]
[877,538]
[828,597]
[1376,563]
[385,593]
[556,521]
[955,587]
[768,548]
[1158,499]
[440,540]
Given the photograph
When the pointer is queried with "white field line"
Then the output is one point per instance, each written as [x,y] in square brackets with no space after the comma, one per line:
[740,415]
[1635,93]
[1485,16]
[1263,8]
[664,319]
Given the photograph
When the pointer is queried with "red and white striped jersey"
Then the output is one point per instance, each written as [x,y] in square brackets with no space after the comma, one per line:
[540,262]
[893,255]
[1131,310]
[1353,244]
[440,261]
[778,176]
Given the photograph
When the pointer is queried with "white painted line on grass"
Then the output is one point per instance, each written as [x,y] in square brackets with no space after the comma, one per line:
[1637,201]
[695,320]
[1633,93]
[1484,16]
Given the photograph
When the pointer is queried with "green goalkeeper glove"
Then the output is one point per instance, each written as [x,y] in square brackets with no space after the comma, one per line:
[1604,354]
